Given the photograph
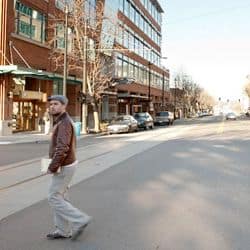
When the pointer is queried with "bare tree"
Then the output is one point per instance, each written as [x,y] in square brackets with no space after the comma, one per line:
[205,100]
[90,48]
[191,92]
[247,88]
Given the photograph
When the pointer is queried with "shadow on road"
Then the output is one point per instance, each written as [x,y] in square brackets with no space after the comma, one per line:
[183,194]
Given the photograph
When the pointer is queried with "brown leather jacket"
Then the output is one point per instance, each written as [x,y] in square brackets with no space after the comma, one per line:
[63,143]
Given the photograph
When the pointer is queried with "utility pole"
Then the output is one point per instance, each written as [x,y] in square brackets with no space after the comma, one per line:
[175,81]
[163,90]
[84,81]
[65,65]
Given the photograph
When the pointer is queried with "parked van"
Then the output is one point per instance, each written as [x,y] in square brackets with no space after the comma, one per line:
[164,118]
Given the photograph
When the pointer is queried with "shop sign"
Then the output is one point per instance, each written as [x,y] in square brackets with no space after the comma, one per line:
[34,95]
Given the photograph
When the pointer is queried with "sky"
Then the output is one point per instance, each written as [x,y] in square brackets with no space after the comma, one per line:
[209,40]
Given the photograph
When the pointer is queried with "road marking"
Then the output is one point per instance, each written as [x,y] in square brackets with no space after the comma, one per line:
[219,146]
[220,130]
[5,142]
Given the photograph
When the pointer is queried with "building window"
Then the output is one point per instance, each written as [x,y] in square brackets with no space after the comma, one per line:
[119,67]
[90,10]
[57,87]
[59,42]
[125,69]
[91,50]
[126,8]
[60,36]
[121,4]
[132,13]
[30,23]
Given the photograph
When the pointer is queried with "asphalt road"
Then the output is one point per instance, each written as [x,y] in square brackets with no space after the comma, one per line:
[186,193]
[14,153]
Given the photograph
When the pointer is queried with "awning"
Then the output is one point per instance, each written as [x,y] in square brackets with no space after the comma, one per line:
[34,73]
[127,95]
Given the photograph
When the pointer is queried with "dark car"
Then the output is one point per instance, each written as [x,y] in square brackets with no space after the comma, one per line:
[164,118]
[144,120]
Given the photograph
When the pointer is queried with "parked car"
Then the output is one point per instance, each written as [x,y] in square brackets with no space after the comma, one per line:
[231,116]
[123,124]
[164,118]
[144,120]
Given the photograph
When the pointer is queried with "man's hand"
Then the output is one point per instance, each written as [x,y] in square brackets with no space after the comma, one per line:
[49,172]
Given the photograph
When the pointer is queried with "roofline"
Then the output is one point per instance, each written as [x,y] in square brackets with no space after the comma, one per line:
[156,2]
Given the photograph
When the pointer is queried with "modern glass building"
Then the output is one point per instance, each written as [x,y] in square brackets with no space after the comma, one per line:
[139,57]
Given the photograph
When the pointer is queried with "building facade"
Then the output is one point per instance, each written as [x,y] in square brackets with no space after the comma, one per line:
[139,58]
[28,75]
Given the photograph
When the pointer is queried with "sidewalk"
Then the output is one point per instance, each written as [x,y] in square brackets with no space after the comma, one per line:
[27,137]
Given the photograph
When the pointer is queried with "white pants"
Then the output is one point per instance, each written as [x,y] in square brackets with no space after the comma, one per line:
[66,217]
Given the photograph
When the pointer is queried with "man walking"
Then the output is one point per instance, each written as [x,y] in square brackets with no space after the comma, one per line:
[69,221]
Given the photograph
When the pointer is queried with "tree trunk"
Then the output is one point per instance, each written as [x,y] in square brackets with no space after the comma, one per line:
[96,118]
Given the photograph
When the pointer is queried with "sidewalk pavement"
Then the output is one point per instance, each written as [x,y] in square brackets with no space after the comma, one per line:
[23,138]
[27,137]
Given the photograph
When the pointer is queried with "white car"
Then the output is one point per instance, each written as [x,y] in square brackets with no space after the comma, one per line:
[231,116]
[123,124]
[164,118]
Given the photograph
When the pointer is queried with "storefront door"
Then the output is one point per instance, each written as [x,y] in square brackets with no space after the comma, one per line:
[24,116]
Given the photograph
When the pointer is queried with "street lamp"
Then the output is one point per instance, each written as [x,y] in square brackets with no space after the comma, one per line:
[184,98]
[175,85]
[163,90]
[65,64]
[84,107]
[149,84]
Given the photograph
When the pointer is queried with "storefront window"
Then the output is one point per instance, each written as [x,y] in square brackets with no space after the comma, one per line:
[57,87]
[30,23]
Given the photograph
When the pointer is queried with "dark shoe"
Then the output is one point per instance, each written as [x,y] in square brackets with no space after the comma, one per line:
[55,236]
[80,230]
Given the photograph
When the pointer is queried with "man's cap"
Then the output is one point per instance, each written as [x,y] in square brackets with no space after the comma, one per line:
[61,98]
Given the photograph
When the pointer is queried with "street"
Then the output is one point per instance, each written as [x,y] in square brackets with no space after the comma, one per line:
[183,187]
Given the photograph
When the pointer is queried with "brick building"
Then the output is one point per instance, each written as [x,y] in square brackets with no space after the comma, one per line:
[28,76]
